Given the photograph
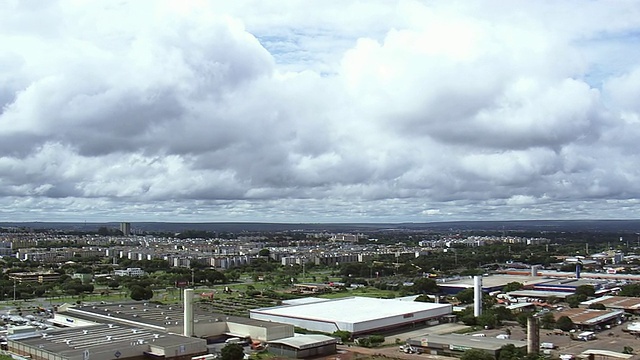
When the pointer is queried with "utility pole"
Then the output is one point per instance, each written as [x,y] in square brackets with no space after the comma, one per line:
[14,289]
[193,277]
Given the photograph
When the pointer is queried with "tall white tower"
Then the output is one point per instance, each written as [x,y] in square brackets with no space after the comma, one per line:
[477,296]
[188,313]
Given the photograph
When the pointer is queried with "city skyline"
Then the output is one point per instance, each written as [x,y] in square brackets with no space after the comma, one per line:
[332,111]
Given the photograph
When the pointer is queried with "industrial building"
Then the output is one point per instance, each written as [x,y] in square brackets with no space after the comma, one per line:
[588,319]
[628,304]
[304,346]
[171,319]
[538,294]
[456,345]
[137,330]
[489,283]
[103,342]
[357,315]
[567,285]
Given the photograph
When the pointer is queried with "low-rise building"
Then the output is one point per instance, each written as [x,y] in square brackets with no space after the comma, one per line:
[456,345]
[628,304]
[589,319]
[129,272]
[39,277]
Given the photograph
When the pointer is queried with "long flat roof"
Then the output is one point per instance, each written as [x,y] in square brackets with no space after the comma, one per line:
[589,316]
[495,281]
[465,341]
[539,293]
[98,338]
[155,315]
[619,302]
[306,341]
[351,309]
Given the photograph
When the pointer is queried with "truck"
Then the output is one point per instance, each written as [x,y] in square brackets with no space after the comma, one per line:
[547,345]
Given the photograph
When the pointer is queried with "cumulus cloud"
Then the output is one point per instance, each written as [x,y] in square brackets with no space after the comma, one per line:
[332,111]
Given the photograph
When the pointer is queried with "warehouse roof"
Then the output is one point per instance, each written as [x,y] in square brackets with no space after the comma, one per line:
[616,302]
[463,342]
[539,294]
[154,315]
[306,341]
[495,281]
[589,316]
[71,342]
[352,309]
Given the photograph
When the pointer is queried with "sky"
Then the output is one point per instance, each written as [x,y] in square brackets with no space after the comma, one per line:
[319,110]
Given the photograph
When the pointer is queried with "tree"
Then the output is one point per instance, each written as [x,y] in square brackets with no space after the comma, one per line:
[564,323]
[503,313]
[465,296]
[264,252]
[426,286]
[474,354]
[342,334]
[575,300]
[512,286]
[113,284]
[548,321]
[511,352]
[424,298]
[553,300]
[487,320]
[597,306]
[586,290]
[522,318]
[141,292]
[232,352]
[627,350]
[630,290]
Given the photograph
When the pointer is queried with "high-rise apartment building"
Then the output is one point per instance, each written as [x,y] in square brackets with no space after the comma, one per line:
[125,227]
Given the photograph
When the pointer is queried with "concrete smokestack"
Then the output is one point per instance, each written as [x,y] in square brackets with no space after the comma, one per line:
[533,336]
[477,296]
[578,269]
[188,313]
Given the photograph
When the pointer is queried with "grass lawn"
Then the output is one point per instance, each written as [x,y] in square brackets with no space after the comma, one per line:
[363,291]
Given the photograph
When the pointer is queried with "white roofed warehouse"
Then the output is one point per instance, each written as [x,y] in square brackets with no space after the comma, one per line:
[358,315]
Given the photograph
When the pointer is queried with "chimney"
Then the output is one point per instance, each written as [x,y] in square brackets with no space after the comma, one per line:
[477,296]
[533,336]
[578,268]
[188,313]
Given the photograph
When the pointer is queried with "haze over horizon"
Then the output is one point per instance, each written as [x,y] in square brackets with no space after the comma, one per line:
[319,111]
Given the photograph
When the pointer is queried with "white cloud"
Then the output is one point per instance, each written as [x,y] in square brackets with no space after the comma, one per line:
[318,111]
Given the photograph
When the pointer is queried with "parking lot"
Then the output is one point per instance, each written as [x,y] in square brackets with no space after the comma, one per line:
[613,339]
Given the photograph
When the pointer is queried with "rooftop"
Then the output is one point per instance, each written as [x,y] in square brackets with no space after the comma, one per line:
[99,338]
[465,341]
[496,281]
[589,316]
[306,341]
[539,294]
[616,302]
[154,315]
[352,309]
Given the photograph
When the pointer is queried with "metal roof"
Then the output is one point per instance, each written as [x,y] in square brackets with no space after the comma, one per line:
[301,342]
[453,341]
[155,315]
[352,309]
[74,341]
